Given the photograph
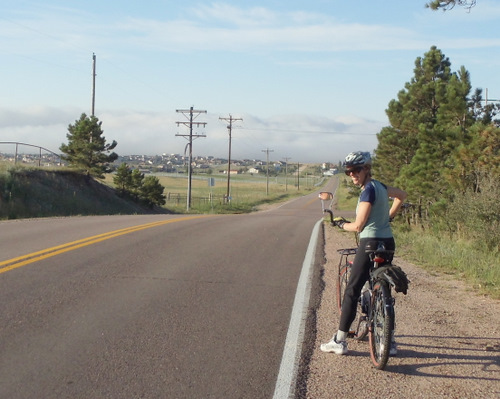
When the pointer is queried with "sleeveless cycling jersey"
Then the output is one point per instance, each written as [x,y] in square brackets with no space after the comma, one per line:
[377,224]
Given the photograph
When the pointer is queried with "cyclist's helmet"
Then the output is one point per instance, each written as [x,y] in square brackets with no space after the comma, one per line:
[357,158]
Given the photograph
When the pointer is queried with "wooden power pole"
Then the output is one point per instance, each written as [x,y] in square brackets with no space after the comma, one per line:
[93,83]
[190,115]
[286,172]
[267,151]
[229,128]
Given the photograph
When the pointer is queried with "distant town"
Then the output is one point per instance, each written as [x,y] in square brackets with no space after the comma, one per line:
[173,163]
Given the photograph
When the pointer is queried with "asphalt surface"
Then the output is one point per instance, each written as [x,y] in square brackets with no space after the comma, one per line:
[150,306]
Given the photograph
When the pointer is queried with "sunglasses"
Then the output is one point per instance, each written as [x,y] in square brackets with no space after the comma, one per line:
[356,170]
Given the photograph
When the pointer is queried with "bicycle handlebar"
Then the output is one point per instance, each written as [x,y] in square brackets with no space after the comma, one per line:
[331,215]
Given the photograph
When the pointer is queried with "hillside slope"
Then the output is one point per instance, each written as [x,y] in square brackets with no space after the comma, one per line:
[28,193]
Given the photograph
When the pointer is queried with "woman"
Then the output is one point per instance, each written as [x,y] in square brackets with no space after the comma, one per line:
[373,217]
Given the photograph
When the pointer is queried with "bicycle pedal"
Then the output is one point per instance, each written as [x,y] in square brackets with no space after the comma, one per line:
[351,334]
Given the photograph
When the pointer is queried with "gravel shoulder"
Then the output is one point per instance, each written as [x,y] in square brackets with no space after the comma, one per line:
[448,340]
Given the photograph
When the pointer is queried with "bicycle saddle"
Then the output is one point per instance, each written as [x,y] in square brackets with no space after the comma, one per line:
[378,252]
[377,247]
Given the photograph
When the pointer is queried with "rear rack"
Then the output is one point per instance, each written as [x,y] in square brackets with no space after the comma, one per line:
[347,251]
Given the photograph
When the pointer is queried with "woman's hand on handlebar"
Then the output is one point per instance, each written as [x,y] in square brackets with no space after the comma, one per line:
[339,221]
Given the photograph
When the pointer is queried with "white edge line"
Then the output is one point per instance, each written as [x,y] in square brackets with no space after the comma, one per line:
[287,376]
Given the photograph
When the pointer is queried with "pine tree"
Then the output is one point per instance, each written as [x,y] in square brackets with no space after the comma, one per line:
[428,121]
[87,149]
[477,159]
[446,129]
[152,191]
[415,110]
[137,177]
[123,178]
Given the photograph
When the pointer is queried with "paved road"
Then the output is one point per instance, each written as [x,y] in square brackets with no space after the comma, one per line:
[149,306]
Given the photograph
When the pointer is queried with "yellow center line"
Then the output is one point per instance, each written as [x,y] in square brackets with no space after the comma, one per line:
[23,260]
[315,199]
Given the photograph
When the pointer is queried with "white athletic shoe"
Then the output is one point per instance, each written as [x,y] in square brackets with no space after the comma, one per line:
[340,348]
[393,350]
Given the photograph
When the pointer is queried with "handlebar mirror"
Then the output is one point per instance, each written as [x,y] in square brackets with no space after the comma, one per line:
[325,196]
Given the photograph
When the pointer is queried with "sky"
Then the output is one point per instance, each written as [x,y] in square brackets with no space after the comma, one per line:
[310,80]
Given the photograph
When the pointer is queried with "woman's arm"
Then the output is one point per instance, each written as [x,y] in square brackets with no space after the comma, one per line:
[399,197]
[362,214]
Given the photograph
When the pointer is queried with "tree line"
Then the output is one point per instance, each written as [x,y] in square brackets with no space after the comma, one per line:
[131,182]
[442,147]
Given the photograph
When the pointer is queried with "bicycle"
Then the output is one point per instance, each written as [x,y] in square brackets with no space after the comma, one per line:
[376,315]
[357,330]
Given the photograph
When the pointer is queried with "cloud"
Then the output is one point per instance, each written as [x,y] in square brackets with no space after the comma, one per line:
[219,27]
[34,116]
[308,35]
[240,17]
[303,138]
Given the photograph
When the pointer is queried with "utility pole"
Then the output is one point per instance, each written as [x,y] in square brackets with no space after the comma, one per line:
[298,176]
[229,128]
[489,99]
[93,83]
[286,172]
[267,151]
[190,115]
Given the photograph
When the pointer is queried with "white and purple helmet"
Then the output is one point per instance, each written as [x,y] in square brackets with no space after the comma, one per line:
[357,158]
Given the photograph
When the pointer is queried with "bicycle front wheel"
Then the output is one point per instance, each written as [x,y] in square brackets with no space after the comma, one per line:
[382,324]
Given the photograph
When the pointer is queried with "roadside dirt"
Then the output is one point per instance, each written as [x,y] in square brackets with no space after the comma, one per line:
[448,341]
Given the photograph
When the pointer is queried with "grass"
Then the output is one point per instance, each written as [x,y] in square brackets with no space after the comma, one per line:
[28,192]
[463,259]
[344,201]
[466,260]
[247,192]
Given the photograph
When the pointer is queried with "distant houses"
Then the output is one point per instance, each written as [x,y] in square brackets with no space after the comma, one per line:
[176,163]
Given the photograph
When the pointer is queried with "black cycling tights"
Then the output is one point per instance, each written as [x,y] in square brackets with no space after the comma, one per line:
[360,272]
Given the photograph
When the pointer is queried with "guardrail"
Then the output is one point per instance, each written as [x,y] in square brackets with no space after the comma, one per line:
[17,144]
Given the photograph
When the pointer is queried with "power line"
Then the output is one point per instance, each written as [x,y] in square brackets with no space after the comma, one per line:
[308,131]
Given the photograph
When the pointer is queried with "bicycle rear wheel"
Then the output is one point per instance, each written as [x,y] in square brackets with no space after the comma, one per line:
[382,324]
